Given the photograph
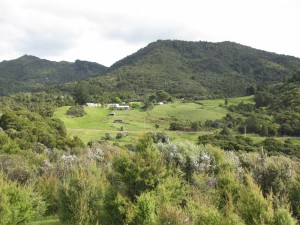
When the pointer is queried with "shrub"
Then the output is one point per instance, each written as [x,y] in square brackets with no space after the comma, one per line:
[283,217]
[144,210]
[176,126]
[140,171]
[119,135]
[18,204]
[252,206]
[81,197]
[76,111]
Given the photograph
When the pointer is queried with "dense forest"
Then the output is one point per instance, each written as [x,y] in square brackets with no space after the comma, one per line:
[184,69]
[200,69]
[30,73]
[224,177]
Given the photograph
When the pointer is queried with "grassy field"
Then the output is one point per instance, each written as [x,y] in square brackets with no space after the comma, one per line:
[96,122]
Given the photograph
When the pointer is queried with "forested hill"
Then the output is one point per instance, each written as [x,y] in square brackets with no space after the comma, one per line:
[29,73]
[181,68]
[200,68]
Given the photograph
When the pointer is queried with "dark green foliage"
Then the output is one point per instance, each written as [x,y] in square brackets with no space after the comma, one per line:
[148,105]
[263,99]
[228,142]
[176,126]
[226,101]
[162,96]
[119,135]
[27,129]
[294,197]
[196,126]
[47,187]
[116,206]
[168,68]
[295,77]
[197,69]
[140,171]
[251,90]
[273,145]
[159,137]
[29,73]
[289,123]
[76,111]
[242,108]
[42,103]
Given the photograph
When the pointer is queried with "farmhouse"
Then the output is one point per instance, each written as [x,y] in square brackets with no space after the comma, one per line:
[122,107]
[112,105]
[118,106]
[90,104]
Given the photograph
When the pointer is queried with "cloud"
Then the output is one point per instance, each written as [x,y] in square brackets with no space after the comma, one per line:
[108,31]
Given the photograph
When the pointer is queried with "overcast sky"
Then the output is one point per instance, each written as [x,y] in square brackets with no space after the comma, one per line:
[107,31]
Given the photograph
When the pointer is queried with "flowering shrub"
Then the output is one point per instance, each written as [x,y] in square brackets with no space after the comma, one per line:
[188,156]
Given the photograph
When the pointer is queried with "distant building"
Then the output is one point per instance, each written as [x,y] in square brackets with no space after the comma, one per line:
[90,104]
[112,105]
[118,106]
[122,107]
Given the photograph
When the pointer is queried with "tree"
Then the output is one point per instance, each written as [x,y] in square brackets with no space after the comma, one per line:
[162,96]
[251,90]
[262,99]
[140,171]
[226,101]
[77,111]
[81,92]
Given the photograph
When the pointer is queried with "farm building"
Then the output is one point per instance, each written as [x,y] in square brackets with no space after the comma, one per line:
[90,104]
[122,107]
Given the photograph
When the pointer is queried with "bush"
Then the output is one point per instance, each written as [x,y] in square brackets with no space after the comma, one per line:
[144,210]
[252,206]
[176,126]
[119,135]
[140,171]
[283,217]
[76,111]
[18,204]
[81,197]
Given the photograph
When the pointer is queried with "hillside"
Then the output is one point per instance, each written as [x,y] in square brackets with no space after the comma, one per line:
[189,69]
[32,73]
[196,70]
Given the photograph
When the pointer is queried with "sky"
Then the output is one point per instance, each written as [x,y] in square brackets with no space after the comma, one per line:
[107,31]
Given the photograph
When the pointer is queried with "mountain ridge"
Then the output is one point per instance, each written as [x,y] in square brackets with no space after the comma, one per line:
[202,68]
[193,69]
[29,73]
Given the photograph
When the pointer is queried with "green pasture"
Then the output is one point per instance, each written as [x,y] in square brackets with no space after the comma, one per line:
[96,123]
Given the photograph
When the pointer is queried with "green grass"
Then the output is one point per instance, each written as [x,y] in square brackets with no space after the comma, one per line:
[96,122]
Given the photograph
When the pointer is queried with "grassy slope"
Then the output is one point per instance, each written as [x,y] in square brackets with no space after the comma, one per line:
[96,122]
